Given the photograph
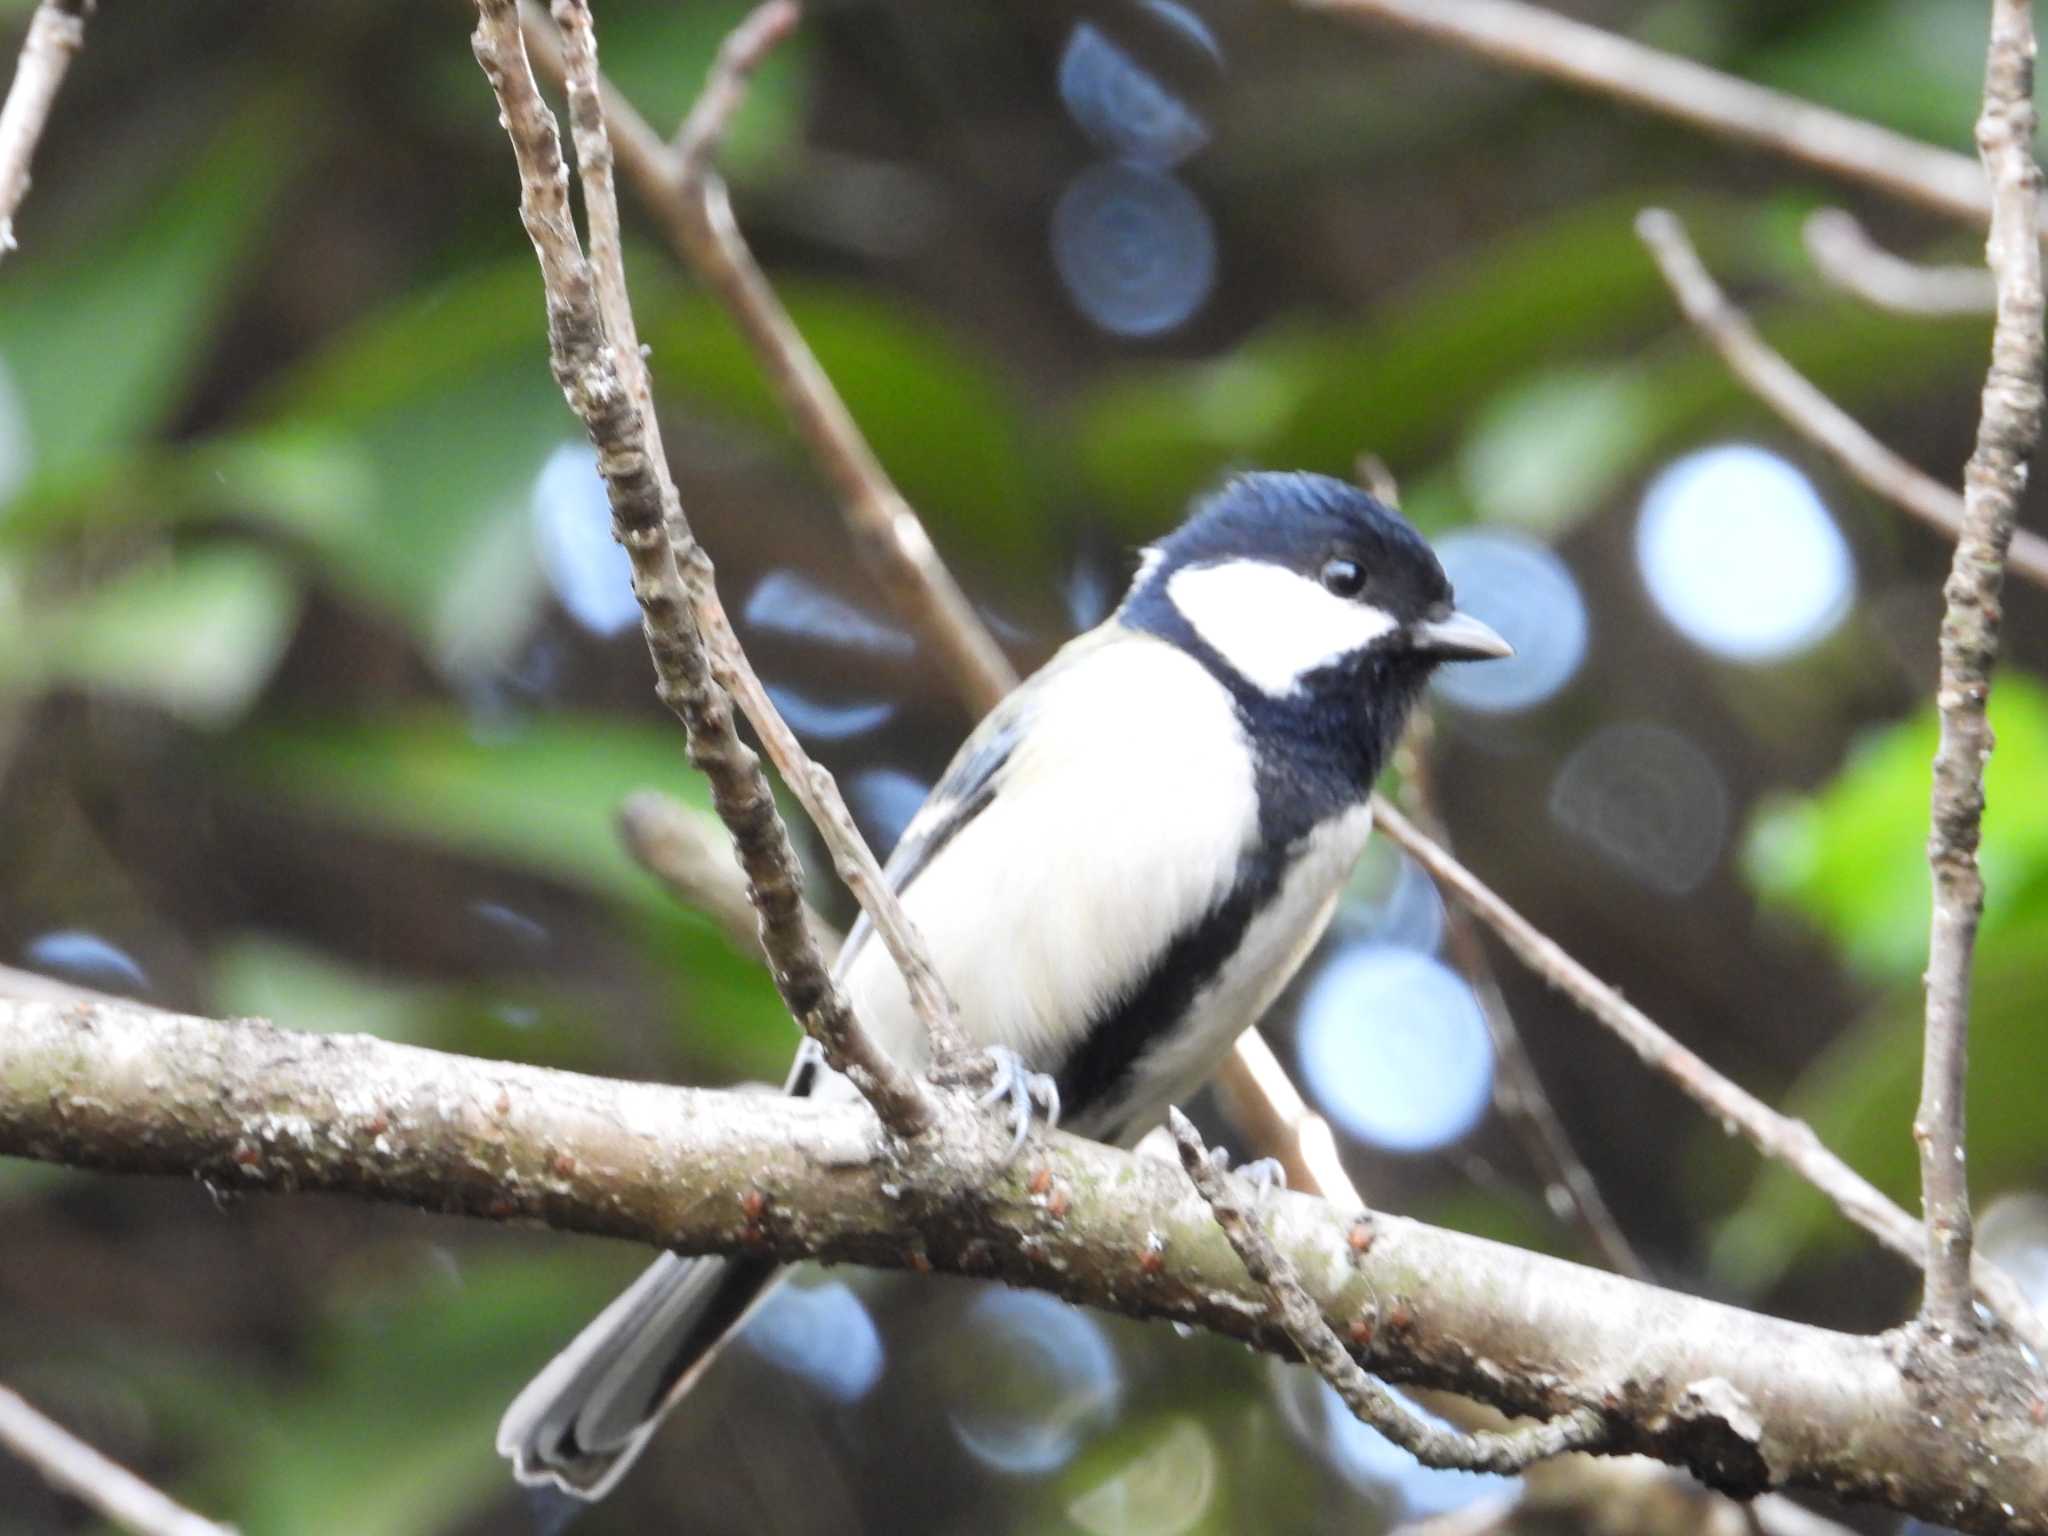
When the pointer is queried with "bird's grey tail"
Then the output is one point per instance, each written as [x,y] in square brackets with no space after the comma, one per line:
[581,1422]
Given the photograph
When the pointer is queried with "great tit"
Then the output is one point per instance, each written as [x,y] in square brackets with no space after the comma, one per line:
[1121,869]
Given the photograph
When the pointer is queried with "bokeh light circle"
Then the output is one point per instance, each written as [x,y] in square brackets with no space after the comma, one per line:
[589,571]
[1395,1048]
[1037,1378]
[1740,555]
[1647,798]
[1525,591]
[1134,247]
[1122,106]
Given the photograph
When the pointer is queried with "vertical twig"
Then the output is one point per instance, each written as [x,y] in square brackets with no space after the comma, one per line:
[645,510]
[55,33]
[1992,482]
[106,1487]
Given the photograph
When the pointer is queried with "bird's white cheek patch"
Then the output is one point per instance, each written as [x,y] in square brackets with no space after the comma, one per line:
[1272,625]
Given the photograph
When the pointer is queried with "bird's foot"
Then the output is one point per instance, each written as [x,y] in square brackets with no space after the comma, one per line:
[1264,1174]
[1027,1094]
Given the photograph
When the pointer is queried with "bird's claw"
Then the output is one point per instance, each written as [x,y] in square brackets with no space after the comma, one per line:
[1027,1093]
[1264,1174]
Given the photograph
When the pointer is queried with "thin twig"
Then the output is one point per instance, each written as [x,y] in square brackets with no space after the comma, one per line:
[1802,405]
[109,1489]
[692,855]
[1846,256]
[1518,1090]
[645,509]
[695,216]
[1528,37]
[745,49]
[1993,480]
[1581,1429]
[55,33]
[813,786]
[1790,1141]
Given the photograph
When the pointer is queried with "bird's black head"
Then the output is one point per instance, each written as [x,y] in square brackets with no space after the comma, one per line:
[1322,611]
[1294,582]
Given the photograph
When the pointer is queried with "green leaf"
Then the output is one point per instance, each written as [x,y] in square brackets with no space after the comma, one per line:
[256,976]
[102,340]
[1555,445]
[1852,858]
[198,636]
[541,797]
[943,424]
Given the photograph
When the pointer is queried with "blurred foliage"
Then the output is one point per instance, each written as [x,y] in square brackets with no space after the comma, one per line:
[280,661]
[1837,858]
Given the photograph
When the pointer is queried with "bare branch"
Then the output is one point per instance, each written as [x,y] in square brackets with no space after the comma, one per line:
[55,33]
[1802,405]
[1742,1400]
[1580,1430]
[107,1488]
[691,854]
[1790,1141]
[674,602]
[696,218]
[1846,256]
[1541,42]
[744,50]
[813,787]
[1993,480]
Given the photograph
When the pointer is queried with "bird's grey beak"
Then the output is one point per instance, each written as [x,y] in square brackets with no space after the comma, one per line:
[1458,637]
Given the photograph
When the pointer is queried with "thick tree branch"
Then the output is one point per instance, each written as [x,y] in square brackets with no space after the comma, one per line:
[1541,42]
[1802,405]
[1742,1400]
[55,33]
[1993,480]
[1778,1136]
[105,1487]
[645,509]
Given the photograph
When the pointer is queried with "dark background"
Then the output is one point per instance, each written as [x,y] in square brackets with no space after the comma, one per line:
[308,706]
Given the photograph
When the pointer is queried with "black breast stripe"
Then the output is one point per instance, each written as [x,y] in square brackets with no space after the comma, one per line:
[1094,1080]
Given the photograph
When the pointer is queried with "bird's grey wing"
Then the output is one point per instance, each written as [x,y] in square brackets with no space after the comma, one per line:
[968,787]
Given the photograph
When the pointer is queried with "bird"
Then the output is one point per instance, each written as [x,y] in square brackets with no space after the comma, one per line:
[1122,868]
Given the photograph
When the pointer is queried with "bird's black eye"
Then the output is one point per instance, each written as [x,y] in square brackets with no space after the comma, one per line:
[1346,578]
